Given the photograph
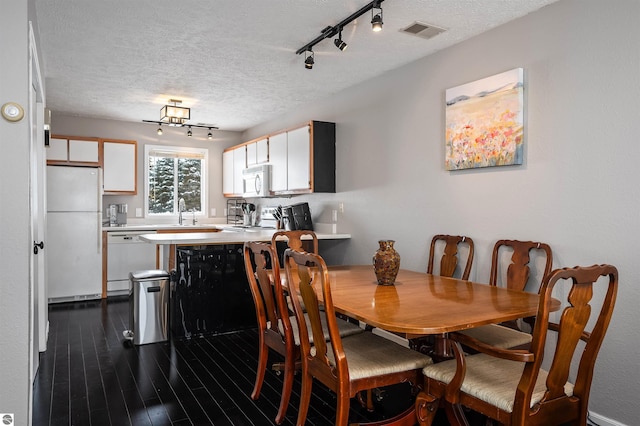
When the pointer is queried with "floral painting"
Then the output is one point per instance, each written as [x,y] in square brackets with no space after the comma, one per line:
[484,122]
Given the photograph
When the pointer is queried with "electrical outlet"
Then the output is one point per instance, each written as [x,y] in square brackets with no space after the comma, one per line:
[213,212]
[138,212]
[334,215]
[341,207]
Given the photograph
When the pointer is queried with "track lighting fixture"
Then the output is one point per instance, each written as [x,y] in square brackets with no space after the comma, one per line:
[340,44]
[308,60]
[332,31]
[376,17]
[177,116]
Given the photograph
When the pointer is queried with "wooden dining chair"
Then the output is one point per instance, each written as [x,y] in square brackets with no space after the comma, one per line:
[516,277]
[277,327]
[450,255]
[294,240]
[510,386]
[346,365]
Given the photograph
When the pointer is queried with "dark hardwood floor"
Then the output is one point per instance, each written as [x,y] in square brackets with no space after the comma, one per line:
[90,376]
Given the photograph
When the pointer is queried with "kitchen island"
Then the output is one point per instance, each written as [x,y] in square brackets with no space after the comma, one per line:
[209,292]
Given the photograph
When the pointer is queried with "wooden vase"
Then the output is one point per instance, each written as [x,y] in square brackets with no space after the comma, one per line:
[386,263]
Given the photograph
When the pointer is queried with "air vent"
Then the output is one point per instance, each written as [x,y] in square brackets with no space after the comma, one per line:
[423,30]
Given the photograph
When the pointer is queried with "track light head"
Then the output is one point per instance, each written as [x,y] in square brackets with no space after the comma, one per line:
[209,135]
[159,131]
[189,133]
[308,60]
[340,44]
[376,17]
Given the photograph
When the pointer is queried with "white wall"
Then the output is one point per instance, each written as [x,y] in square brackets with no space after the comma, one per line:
[577,189]
[146,134]
[15,243]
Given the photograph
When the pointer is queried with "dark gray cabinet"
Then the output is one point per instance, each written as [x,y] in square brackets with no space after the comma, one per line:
[210,292]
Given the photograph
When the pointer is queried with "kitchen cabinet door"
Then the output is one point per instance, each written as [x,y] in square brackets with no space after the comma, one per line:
[84,151]
[227,173]
[73,151]
[278,160]
[239,164]
[57,150]
[262,151]
[252,157]
[119,163]
[298,159]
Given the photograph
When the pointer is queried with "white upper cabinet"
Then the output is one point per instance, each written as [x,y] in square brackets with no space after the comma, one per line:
[278,161]
[119,163]
[258,152]
[303,160]
[233,162]
[69,151]
[227,173]
[239,164]
[299,159]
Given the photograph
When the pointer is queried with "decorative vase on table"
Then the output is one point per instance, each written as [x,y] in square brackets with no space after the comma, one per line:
[386,263]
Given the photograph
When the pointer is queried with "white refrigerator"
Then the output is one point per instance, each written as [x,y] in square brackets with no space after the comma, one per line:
[74,233]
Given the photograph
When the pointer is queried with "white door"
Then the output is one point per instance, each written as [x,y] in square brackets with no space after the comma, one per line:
[38,314]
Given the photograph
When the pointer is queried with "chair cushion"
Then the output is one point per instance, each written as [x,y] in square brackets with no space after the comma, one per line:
[499,336]
[344,327]
[491,379]
[369,355]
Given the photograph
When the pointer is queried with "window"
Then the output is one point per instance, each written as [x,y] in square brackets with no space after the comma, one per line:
[173,173]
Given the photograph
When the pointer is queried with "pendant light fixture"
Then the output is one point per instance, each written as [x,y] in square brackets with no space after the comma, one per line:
[175,115]
[332,31]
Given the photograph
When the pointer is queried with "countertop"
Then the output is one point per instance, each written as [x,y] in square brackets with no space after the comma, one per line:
[226,236]
[163,226]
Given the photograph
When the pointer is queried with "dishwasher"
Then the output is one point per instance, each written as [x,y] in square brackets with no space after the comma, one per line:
[127,253]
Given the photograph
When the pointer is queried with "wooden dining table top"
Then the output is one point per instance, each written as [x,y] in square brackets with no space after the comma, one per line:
[421,304]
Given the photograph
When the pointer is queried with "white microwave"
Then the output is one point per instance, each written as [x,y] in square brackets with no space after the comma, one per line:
[257,181]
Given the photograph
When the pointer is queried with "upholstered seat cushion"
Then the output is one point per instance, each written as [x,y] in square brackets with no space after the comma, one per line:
[344,327]
[369,355]
[499,336]
[491,379]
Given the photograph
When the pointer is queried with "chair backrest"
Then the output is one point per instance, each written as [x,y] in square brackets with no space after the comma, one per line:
[449,259]
[263,273]
[304,270]
[518,271]
[583,283]
[294,239]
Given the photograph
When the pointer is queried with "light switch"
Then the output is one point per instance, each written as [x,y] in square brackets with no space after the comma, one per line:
[138,211]
[213,212]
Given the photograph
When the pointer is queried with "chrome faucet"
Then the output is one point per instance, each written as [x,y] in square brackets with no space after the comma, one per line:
[181,208]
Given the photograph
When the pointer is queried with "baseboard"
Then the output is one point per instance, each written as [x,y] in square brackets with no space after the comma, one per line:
[602,420]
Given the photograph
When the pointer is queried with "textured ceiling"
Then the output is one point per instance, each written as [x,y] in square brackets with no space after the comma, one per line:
[233,61]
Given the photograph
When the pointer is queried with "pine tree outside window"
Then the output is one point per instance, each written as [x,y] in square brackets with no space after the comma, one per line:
[172,173]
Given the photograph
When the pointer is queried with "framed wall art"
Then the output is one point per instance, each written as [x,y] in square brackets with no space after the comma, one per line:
[484,122]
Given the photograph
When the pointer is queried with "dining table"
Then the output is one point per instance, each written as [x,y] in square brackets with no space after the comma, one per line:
[420,304]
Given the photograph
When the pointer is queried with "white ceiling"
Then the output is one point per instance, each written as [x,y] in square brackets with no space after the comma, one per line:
[233,61]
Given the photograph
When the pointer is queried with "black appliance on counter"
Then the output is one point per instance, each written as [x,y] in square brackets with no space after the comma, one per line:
[210,293]
[297,216]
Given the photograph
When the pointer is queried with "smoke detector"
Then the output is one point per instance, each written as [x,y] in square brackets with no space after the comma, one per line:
[423,30]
